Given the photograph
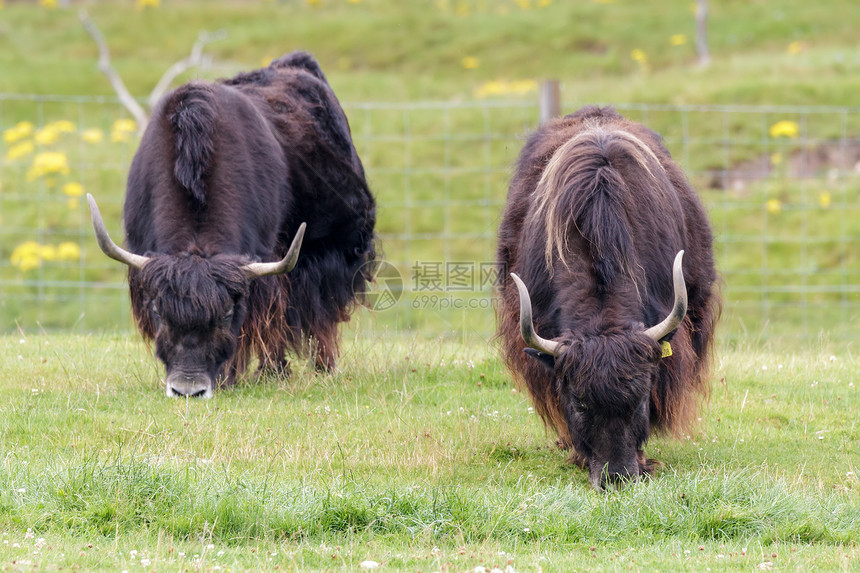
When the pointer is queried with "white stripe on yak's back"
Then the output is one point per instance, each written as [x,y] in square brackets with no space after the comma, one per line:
[577,166]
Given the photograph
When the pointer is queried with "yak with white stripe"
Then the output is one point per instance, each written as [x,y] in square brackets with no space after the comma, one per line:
[610,268]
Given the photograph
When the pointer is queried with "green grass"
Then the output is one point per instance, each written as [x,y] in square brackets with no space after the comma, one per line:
[380,49]
[418,454]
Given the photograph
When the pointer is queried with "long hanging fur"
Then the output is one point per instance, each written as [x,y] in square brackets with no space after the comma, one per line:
[596,213]
[193,120]
[232,168]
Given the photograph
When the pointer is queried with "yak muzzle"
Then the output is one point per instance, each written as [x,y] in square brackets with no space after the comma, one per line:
[615,473]
[189,386]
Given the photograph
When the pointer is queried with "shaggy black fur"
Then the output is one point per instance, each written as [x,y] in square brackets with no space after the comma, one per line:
[596,212]
[225,174]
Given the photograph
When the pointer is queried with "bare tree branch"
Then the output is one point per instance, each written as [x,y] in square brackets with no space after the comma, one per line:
[183,65]
[702,33]
[115,81]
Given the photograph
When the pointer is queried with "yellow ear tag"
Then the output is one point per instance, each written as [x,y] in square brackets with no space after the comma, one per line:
[666,349]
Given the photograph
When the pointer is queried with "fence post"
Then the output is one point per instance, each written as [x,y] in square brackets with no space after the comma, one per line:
[550,100]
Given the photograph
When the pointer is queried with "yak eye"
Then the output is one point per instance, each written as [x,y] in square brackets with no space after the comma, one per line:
[155,312]
[228,318]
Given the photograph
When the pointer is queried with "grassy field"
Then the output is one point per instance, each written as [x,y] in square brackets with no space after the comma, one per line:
[418,455]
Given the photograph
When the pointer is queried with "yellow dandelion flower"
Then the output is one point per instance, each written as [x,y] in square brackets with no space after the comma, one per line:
[784,128]
[524,4]
[63,126]
[544,3]
[678,39]
[46,136]
[26,256]
[48,3]
[470,62]
[824,199]
[48,253]
[18,132]
[143,4]
[122,129]
[68,251]
[504,87]
[775,158]
[521,87]
[124,124]
[353,1]
[73,189]
[773,206]
[313,2]
[20,150]
[92,135]
[488,89]
[639,56]
[48,163]
[795,48]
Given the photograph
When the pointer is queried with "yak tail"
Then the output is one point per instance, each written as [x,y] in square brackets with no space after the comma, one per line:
[193,120]
[587,181]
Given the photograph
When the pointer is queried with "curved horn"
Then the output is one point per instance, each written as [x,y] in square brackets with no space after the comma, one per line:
[107,246]
[675,317]
[527,329]
[285,265]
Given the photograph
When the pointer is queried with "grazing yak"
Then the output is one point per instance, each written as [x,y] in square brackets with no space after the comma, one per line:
[226,177]
[596,214]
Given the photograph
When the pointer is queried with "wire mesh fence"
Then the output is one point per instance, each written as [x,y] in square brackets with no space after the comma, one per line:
[781,184]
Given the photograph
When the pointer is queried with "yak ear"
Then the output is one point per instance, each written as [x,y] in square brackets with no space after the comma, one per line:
[547,360]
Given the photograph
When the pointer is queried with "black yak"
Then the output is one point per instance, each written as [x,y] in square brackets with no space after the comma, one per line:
[219,191]
[596,214]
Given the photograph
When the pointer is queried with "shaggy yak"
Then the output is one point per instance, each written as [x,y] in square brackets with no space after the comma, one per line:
[596,213]
[226,176]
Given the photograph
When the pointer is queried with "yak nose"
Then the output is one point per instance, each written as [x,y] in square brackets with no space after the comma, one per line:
[614,475]
[188,386]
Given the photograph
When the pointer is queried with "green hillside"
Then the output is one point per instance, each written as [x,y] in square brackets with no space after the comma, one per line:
[791,52]
[776,169]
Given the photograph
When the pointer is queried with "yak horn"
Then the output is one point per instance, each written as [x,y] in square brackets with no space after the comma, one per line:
[107,246]
[675,317]
[285,265]
[527,329]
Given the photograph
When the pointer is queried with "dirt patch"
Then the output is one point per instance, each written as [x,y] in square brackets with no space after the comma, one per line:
[831,159]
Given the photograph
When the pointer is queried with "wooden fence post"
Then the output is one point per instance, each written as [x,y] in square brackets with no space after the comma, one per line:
[550,100]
